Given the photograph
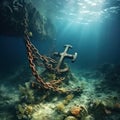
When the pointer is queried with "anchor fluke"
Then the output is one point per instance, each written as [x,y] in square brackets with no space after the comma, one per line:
[74,57]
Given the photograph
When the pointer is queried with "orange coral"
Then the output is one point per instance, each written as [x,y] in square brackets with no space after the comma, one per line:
[75,110]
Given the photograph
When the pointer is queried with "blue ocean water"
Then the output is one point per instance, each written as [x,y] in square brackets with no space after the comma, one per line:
[96,40]
[95,43]
[91,27]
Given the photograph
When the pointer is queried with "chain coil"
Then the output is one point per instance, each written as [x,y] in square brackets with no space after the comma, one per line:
[34,56]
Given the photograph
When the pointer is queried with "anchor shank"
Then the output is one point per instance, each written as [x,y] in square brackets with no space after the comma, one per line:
[63,55]
[60,61]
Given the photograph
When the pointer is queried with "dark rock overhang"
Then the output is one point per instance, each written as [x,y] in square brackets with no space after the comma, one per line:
[12,17]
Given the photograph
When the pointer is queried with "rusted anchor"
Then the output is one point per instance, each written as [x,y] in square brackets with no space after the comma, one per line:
[62,56]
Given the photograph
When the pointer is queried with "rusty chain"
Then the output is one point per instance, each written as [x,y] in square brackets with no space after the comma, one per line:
[47,62]
[33,55]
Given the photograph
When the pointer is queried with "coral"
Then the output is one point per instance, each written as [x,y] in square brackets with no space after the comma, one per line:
[79,111]
[60,107]
[24,111]
[27,94]
[75,110]
[44,111]
[69,97]
[29,109]
[51,76]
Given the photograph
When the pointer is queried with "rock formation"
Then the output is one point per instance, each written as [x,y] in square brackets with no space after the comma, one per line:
[12,16]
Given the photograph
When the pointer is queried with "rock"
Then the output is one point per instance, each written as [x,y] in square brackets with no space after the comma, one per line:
[89,117]
[70,118]
[12,19]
